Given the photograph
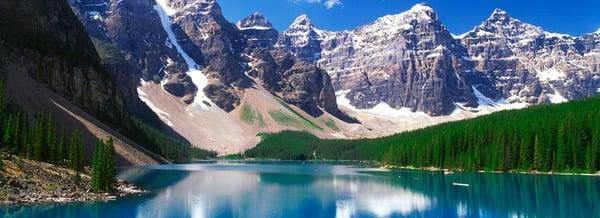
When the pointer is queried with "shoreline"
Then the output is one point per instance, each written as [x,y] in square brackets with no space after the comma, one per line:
[377,164]
[27,182]
[450,171]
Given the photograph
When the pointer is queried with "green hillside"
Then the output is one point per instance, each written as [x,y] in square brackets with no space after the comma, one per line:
[563,137]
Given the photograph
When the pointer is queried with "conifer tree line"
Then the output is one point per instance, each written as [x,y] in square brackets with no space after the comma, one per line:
[159,143]
[557,138]
[103,167]
[39,138]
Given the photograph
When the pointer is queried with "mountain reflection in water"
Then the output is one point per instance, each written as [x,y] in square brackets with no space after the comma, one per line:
[331,189]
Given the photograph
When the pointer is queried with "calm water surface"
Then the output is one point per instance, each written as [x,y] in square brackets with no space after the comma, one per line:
[293,189]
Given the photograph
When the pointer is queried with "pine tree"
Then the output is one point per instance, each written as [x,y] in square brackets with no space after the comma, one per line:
[62,146]
[103,167]
[76,154]
[7,134]
[561,148]
[97,169]
[538,154]
[38,139]
[109,161]
[24,139]
[17,139]
[51,140]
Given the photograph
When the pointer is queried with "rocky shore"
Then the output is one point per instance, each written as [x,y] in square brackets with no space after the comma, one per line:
[25,181]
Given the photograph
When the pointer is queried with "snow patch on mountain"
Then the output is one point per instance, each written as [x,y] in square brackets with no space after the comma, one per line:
[159,112]
[255,28]
[382,109]
[556,97]
[550,75]
[164,5]
[482,99]
[198,78]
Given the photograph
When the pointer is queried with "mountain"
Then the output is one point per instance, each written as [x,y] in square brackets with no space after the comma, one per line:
[523,63]
[50,65]
[205,77]
[303,39]
[217,84]
[258,32]
[408,60]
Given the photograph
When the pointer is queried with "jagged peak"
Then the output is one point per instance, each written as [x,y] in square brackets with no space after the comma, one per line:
[206,7]
[255,21]
[597,31]
[420,12]
[499,11]
[302,21]
[421,7]
[499,15]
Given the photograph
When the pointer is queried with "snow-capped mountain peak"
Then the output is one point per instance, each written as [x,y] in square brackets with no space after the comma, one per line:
[419,12]
[421,8]
[501,24]
[205,7]
[499,14]
[255,21]
[302,22]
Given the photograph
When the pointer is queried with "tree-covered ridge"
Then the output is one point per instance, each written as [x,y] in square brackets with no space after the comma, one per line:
[559,138]
[161,144]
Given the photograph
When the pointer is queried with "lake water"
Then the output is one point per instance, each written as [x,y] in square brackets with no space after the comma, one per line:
[313,189]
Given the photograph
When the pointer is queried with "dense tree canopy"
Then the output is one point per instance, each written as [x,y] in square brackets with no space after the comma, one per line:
[564,137]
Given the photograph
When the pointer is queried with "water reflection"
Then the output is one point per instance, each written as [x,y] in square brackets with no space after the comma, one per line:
[275,189]
[355,196]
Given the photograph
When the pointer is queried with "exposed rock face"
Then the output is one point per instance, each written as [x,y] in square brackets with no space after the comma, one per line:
[180,85]
[309,88]
[55,50]
[405,60]
[524,63]
[303,39]
[211,40]
[408,60]
[284,72]
[257,31]
[225,52]
[135,28]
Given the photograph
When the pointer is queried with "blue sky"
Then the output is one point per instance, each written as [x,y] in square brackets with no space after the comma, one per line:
[574,17]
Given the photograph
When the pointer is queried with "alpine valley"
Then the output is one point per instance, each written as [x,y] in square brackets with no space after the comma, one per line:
[165,108]
[217,84]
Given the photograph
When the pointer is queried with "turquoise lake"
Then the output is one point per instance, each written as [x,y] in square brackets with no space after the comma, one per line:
[332,189]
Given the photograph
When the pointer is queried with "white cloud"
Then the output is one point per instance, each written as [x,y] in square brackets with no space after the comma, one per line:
[329,4]
[332,3]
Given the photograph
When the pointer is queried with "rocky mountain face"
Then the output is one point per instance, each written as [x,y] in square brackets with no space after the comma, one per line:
[410,60]
[198,43]
[258,32]
[523,63]
[406,60]
[45,40]
[303,39]
[134,28]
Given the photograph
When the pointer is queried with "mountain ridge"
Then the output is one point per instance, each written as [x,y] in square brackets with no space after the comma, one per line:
[406,64]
